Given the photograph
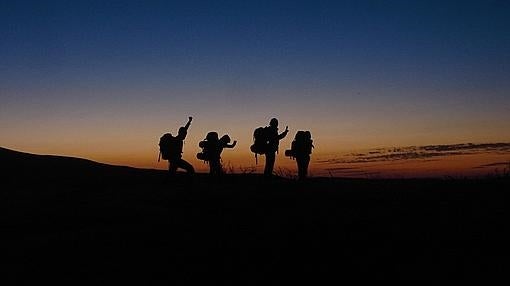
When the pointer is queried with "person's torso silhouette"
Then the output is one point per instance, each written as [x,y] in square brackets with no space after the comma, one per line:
[175,159]
[301,150]
[272,147]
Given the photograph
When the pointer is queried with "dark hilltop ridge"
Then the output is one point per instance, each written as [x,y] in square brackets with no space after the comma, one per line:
[74,220]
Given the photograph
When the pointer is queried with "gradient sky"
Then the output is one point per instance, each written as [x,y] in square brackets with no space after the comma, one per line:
[104,79]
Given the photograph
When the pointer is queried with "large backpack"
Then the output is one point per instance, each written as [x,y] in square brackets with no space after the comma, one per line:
[208,145]
[167,147]
[301,146]
[260,141]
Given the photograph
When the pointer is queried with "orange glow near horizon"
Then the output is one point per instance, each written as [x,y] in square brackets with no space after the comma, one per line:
[123,135]
[239,160]
[357,81]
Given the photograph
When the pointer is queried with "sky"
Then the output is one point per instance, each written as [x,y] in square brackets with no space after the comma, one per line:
[103,80]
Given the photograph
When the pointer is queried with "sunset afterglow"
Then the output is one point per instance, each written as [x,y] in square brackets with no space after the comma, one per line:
[103,81]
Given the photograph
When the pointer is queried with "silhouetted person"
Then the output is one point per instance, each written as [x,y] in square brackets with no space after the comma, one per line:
[301,149]
[272,147]
[171,149]
[224,143]
[211,151]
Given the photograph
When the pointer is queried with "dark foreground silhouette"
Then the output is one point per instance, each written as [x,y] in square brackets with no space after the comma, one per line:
[66,219]
[171,149]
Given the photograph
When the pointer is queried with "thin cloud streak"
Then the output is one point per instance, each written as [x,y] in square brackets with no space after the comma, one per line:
[418,153]
[419,161]
[495,164]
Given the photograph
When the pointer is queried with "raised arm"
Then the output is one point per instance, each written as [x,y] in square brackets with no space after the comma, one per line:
[232,145]
[183,131]
[189,122]
[284,133]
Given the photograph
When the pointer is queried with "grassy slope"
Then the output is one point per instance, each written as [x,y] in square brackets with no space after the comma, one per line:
[116,223]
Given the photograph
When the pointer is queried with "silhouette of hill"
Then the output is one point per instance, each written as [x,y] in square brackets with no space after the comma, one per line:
[16,163]
[74,220]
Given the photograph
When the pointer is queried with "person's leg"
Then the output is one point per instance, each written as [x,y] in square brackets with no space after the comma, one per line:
[172,167]
[186,166]
[270,158]
[302,163]
[212,167]
[305,166]
[299,162]
[215,167]
[220,168]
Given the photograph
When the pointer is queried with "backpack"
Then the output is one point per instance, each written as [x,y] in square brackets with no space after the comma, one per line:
[301,146]
[260,141]
[208,146]
[168,147]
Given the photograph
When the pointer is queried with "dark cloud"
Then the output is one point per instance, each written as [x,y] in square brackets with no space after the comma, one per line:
[325,161]
[495,164]
[352,172]
[424,153]
[343,169]
[399,155]
[469,147]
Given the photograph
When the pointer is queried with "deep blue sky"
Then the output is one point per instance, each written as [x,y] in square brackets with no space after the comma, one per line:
[431,38]
[358,73]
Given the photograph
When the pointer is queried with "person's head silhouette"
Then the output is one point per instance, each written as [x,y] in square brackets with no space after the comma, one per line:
[212,136]
[273,122]
[225,139]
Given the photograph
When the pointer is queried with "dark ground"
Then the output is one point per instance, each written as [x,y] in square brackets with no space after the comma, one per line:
[74,220]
